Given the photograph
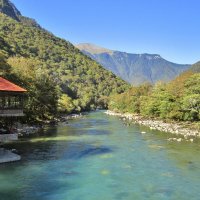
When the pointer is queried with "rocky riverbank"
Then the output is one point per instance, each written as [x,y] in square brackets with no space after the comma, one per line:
[70,117]
[26,130]
[175,128]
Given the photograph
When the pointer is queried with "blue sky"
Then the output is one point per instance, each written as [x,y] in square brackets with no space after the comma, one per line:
[170,28]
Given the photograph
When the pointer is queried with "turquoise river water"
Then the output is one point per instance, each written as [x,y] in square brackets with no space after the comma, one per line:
[99,158]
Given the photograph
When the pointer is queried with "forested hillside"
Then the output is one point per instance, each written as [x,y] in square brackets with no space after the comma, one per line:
[195,68]
[57,75]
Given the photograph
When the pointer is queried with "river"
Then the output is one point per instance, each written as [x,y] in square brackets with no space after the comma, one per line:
[99,158]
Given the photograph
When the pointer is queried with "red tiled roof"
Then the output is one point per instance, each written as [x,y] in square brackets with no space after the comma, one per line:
[6,85]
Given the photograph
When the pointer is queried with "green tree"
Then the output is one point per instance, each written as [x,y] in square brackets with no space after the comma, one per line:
[191,98]
[42,92]
[65,104]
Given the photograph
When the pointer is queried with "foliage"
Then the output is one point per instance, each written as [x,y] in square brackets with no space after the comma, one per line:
[195,67]
[177,100]
[191,98]
[51,68]
[42,91]
[65,104]
[4,67]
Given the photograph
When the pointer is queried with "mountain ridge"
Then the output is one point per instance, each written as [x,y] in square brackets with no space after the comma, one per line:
[10,10]
[92,48]
[136,68]
[195,67]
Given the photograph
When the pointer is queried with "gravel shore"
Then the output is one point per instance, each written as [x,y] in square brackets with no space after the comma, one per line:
[174,128]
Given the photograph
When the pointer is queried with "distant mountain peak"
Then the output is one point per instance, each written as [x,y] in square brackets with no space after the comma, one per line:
[92,48]
[134,68]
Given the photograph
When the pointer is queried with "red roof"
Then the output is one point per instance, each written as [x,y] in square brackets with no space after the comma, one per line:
[6,85]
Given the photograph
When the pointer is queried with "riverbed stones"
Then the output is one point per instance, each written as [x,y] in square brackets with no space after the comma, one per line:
[28,130]
[174,128]
[179,140]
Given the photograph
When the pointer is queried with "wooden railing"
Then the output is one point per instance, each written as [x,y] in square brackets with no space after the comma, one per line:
[8,137]
[11,112]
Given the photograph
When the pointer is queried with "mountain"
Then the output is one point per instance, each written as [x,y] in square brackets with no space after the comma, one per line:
[79,77]
[195,67]
[93,49]
[9,9]
[134,68]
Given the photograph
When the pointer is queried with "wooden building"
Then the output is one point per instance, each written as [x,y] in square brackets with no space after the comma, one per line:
[11,107]
[11,99]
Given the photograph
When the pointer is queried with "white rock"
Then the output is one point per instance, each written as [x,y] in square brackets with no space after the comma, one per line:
[179,139]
